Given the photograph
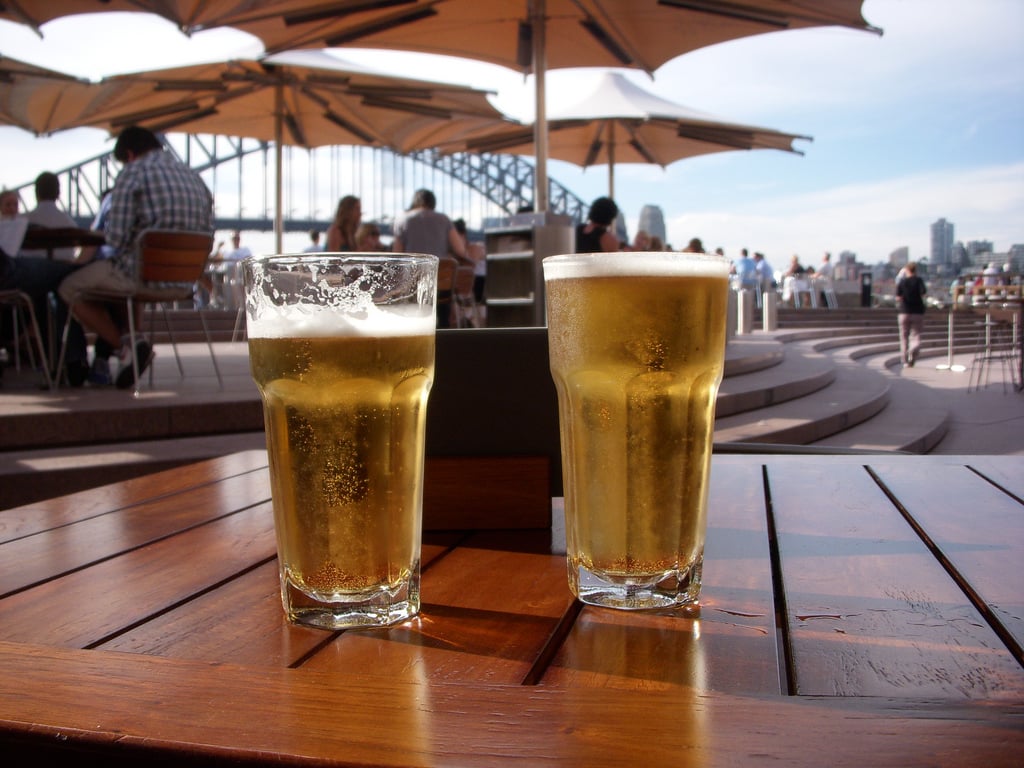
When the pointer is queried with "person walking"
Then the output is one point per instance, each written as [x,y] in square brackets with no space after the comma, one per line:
[910,293]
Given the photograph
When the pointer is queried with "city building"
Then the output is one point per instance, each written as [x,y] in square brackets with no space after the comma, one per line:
[900,257]
[942,244]
[652,221]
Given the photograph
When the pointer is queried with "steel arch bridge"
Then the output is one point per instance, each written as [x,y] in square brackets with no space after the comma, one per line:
[478,187]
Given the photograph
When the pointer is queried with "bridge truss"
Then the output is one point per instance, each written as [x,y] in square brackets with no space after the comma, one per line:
[479,188]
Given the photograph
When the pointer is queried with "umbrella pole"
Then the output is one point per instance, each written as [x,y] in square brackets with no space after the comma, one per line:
[278,164]
[538,22]
[611,159]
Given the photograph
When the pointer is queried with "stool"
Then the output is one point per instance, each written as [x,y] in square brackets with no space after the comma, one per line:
[997,344]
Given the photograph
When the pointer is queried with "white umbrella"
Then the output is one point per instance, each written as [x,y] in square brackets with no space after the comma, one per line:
[617,121]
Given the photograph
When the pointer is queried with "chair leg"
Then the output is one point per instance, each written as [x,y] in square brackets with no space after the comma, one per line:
[134,348]
[174,344]
[239,318]
[36,340]
[209,345]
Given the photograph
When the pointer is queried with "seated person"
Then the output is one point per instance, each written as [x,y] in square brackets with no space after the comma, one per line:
[38,278]
[154,190]
[47,214]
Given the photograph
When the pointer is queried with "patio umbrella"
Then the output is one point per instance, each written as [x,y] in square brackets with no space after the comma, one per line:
[620,122]
[537,35]
[527,35]
[40,100]
[302,98]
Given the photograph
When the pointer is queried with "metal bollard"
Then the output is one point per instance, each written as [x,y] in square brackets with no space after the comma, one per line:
[730,316]
[745,314]
[770,311]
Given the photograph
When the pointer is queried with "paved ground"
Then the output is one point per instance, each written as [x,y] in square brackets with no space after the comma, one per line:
[990,421]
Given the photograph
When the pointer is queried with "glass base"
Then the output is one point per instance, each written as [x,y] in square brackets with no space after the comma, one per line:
[672,589]
[380,607]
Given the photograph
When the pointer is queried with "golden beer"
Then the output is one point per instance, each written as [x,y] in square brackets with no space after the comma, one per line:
[637,346]
[345,415]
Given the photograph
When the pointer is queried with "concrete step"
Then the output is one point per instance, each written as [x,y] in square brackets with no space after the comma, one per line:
[794,376]
[913,420]
[854,395]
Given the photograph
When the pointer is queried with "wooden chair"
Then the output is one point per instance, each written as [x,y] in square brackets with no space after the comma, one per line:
[464,301]
[170,264]
[446,268]
[21,304]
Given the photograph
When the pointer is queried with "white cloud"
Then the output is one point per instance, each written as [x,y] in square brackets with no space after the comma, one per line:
[871,219]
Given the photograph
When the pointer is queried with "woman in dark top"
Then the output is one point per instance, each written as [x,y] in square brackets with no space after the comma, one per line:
[910,291]
[595,235]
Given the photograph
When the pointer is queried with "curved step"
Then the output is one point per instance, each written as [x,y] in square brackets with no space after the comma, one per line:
[855,395]
[913,420]
[796,375]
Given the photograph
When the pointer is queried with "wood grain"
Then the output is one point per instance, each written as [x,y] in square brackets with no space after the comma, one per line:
[871,612]
[978,530]
[729,646]
[486,616]
[135,708]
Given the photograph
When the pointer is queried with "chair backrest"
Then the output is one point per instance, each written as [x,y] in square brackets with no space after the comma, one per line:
[167,256]
[446,268]
[464,282]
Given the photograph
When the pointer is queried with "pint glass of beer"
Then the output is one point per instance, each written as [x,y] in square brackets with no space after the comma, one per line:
[637,344]
[342,349]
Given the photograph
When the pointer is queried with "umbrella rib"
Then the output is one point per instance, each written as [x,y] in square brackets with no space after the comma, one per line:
[340,10]
[352,128]
[742,12]
[402,106]
[603,32]
[381,24]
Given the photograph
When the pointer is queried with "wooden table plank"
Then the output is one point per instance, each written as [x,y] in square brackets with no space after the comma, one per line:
[978,528]
[139,709]
[241,622]
[1004,471]
[730,646]
[870,611]
[164,510]
[88,606]
[23,521]
[487,614]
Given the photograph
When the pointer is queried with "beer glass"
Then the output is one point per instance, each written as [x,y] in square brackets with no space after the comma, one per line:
[342,349]
[637,346]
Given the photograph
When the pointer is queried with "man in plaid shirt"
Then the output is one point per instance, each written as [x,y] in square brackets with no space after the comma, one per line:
[155,190]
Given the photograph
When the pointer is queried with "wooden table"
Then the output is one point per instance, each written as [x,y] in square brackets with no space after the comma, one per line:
[50,239]
[857,610]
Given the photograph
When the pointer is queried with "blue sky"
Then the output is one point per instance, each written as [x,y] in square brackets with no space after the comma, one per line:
[925,121]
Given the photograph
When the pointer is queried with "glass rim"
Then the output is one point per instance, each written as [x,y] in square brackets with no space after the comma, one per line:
[343,257]
[637,263]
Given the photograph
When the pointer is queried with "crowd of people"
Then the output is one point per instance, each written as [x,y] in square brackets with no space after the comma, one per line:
[156,190]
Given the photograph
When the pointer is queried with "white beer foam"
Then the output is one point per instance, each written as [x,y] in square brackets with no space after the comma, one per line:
[635,264]
[307,321]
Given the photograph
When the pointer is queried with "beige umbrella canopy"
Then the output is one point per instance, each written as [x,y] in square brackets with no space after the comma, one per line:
[619,122]
[537,35]
[302,98]
[528,35]
[40,100]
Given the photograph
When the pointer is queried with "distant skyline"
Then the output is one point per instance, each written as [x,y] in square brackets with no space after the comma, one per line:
[920,124]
